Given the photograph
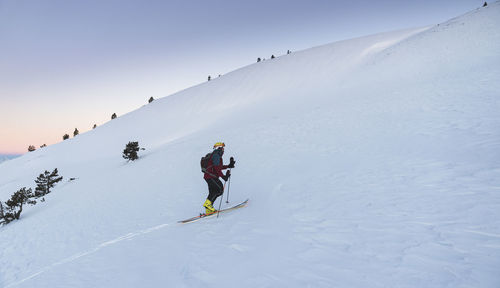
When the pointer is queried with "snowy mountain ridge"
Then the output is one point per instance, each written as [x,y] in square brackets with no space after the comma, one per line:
[371,162]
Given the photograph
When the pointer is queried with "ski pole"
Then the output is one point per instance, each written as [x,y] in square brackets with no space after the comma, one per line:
[221,196]
[229,186]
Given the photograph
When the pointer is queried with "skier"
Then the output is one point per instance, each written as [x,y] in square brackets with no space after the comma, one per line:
[212,174]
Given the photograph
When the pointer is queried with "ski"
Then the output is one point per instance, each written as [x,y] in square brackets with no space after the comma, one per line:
[201,216]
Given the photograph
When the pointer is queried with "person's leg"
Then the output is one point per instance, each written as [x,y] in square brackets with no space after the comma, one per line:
[215,188]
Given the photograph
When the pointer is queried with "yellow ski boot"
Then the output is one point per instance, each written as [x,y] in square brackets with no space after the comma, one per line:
[209,208]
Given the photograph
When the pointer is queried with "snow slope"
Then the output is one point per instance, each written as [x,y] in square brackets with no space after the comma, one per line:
[372,162]
[6,157]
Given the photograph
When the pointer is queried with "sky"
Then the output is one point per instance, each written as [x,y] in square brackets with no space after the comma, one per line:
[67,64]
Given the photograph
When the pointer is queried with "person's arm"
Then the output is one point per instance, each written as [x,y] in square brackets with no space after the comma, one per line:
[231,164]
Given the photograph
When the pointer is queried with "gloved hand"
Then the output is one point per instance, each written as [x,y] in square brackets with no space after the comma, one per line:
[231,163]
[228,174]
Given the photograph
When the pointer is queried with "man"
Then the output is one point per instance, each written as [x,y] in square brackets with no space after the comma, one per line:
[212,174]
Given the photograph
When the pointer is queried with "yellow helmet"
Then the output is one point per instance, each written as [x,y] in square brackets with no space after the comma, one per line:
[219,144]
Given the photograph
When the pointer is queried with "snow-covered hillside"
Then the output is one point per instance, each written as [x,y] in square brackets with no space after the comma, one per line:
[4,157]
[372,162]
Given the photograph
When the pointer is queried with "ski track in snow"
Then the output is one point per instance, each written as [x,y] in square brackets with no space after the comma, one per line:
[74,257]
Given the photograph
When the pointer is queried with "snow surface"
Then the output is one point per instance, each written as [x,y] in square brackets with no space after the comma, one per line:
[7,157]
[372,162]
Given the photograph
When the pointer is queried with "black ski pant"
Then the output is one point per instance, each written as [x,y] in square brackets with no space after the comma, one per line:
[215,189]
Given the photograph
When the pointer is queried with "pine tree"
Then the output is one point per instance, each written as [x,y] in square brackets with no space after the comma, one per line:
[113,116]
[151,99]
[485,4]
[15,204]
[95,126]
[76,132]
[65,137]
[130,151]
[2,214]
[45,182]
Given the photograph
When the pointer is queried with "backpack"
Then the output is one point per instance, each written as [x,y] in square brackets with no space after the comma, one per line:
[204,162]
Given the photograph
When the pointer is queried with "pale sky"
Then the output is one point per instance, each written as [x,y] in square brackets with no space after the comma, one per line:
[67,64]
